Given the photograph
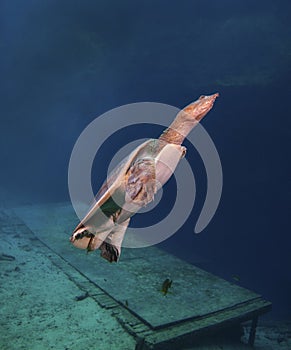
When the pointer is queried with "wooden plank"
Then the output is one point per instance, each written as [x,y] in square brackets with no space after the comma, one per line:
[210,322]
[136,280]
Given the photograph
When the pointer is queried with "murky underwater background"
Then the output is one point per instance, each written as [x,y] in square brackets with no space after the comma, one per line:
[63,63]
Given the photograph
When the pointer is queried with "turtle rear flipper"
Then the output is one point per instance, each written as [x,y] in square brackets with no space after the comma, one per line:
[90,234]
[109,252]
[111,247]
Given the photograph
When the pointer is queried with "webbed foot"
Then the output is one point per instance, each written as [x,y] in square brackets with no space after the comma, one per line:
[109,252]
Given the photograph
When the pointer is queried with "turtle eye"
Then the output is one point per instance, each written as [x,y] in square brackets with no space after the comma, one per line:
[201,97]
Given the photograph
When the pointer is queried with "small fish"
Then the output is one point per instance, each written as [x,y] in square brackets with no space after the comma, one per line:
[166,285]
[126,303]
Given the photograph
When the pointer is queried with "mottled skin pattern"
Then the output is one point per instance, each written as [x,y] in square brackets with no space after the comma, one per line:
[134,182]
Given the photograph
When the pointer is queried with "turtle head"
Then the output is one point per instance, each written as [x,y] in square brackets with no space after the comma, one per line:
[187,119]
[198,109]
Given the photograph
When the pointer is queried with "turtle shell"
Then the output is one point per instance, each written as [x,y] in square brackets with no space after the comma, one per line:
[130,186]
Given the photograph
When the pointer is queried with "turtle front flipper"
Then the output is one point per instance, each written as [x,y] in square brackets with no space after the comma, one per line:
[111,247]
[141,184]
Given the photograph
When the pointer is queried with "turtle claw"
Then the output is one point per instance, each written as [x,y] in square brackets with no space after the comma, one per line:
[109,252]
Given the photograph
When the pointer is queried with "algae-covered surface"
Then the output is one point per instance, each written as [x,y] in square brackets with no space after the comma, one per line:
[42,308]
[138,277]
[38,302]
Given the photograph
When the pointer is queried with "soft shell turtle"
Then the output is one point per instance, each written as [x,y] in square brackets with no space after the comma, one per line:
[134,182]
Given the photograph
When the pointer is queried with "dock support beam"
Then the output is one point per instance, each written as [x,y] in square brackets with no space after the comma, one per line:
[253,331]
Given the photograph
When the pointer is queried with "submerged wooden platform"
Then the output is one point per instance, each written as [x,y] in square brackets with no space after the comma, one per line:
[198,302]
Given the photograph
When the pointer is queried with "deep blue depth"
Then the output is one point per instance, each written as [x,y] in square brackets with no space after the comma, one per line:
[63,63]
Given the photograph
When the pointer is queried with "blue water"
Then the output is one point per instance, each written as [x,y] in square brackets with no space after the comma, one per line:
[64,63]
